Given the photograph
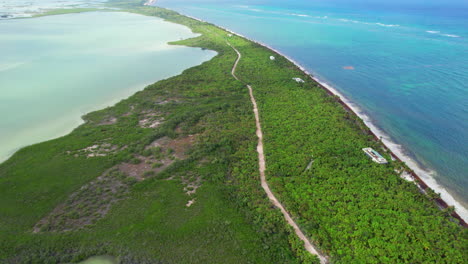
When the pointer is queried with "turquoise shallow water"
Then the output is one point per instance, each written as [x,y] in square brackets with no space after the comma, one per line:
[404,63]
[55,69]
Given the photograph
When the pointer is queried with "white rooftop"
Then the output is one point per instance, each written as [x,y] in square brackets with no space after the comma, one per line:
[375,156]
[299,80]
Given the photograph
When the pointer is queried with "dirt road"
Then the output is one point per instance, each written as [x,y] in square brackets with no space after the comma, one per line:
[262,167]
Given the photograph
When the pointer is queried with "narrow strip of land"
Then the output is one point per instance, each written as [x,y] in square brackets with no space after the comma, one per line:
[262,167]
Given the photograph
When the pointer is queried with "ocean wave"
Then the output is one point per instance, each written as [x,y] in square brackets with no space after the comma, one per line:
[450,35]
[304,15]
[254,10]
[386,25]
[367,23]
[316,17]
[299,15]
[349,20]
[443,35]
[435,32]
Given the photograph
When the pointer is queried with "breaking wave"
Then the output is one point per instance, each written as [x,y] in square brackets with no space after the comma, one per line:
[367,23]
[450,35]
[440,34]
[299,15]
[250,8]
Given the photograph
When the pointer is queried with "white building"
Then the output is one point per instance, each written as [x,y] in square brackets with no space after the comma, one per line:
[375,156]
[299,80]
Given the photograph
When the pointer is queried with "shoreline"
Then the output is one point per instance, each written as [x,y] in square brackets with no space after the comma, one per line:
[396,150]
[75,119]
[418,174]
[98,178]
[77,116]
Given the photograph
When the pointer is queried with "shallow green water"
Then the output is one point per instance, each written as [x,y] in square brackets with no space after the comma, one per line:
[55,69]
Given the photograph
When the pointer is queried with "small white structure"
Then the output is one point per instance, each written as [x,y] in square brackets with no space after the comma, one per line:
[375,156]
[299,80]
[229,35]
[272,58]
[407,176]
[149,2]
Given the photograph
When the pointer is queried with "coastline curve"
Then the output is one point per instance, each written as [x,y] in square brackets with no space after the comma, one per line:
[395,149]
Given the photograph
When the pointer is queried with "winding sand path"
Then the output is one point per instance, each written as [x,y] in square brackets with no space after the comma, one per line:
[262,167]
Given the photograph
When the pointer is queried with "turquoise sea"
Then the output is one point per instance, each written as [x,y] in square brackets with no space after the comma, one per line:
[55,69]
[403,63]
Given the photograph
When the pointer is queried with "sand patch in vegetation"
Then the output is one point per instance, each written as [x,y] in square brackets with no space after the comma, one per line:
[87,205]
[150,119]
[94,200]
[191,184]
[190,203]
[166,101]
[142,167]
[108,121]
[177,147]
[96,150]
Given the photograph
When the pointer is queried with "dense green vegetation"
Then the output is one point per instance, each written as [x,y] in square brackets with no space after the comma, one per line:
[356,211]
[152,224]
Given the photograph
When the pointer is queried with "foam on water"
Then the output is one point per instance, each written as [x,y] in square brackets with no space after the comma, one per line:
[347,20]
[442,34]
[299,15]
[317,17]
[451,35]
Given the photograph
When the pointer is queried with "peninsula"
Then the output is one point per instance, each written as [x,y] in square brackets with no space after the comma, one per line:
[232,161]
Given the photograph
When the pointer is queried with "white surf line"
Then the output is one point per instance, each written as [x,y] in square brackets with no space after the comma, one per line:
[262,167]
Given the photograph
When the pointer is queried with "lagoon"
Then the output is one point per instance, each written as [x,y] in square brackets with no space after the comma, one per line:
[55,69]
